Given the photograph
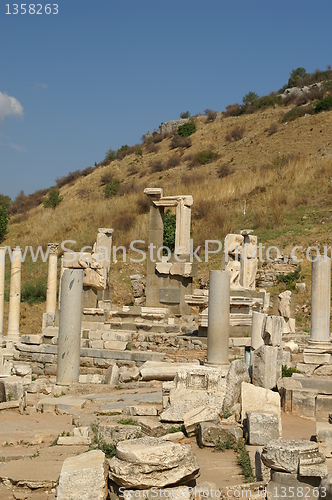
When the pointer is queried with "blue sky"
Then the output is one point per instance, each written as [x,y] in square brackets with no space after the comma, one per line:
[101,73]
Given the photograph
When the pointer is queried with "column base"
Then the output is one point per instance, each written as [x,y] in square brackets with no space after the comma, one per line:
[318,352]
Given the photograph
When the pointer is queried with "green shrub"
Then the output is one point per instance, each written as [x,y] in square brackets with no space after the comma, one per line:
[288,371]
[250,98]
[127,421]
[324,104]
[110,155]
[187,129]
[33,292]
[53,199]
[5,201]
[169,230]
[4,218]
[185,114]
[205,156]
[111,188]
[176,428]
[138,151]
[290,279]
[297,112]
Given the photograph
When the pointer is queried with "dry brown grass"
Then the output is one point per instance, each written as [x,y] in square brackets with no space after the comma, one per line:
[277,193]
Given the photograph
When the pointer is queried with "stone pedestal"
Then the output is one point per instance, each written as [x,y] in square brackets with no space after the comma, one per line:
[218,317]
[70,327]
[320,347]
[13,334]
[2,290]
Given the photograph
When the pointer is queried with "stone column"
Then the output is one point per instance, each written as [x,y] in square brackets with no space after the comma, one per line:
[69,340]
[182,230]
[218,317]
[256,329]
[52,278]
[320,301]
[13,334]
[156,232]
[2,290]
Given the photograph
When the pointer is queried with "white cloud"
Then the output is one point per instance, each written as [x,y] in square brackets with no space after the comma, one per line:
[42,85]
[9,106]
[17,147]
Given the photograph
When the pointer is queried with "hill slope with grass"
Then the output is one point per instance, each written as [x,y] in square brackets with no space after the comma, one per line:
[279,170]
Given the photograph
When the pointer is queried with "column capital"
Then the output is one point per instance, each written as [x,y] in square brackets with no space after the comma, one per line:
[53,248]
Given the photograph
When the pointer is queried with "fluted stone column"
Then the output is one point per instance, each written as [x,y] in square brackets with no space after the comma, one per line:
[13,334]
[218,317]
[52,278]
[2,290]
[256,329]
[320,347]
[69,340]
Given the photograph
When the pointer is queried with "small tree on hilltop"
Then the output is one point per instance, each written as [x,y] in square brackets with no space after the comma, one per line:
[250,98]
[53,199]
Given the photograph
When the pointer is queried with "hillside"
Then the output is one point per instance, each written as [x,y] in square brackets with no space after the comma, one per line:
[281,171]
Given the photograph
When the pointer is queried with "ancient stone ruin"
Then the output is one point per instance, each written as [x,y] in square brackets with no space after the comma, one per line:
[110,401]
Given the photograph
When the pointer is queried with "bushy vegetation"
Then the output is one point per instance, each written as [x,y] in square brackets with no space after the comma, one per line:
[324,104]
[235,134]
[204,157]
[23,203]
[185,114]
[243,458]
[224,171]
[112,188]
[73,176]
[299,78]
[180,142]
[187,128]
[169,230]
[53,199]
[127,421]
[288,371]
[4,218]
[33,291]
[290,279]
[210,115]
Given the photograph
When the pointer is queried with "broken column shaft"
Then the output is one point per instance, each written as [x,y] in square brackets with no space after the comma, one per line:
[218,317]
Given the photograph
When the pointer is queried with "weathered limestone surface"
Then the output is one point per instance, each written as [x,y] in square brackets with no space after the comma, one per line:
[258,399]
[152,462]
[267,366]
[262,427]
[237,373]
[83,477]
[210,434]
[272,330]
[154,370]
[201,386]
[301,457]
[256,329]
[141,411]
[113,433]
[200,414]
